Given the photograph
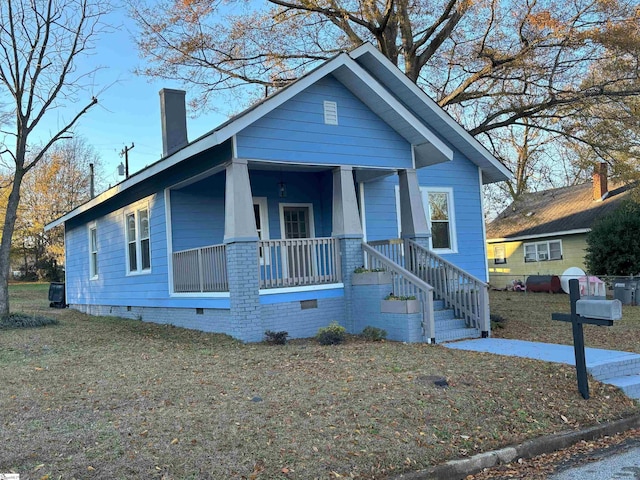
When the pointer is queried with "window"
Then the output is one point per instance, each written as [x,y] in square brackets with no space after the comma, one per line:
[543,251]
[499,256]
[138,241]
[93,251]
[439,209]
[439,216]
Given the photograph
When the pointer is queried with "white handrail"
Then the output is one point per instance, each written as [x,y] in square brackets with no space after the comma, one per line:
[466,294]
[406,284]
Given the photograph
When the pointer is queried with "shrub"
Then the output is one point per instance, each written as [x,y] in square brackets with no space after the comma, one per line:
[365,270]
[497,321]
[333,334]
[373,334]
[24,320]
[276,338]
[613,245]
[391,296]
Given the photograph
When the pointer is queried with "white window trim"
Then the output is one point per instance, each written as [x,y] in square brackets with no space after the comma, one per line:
[135,209]
[424,193]
[548,244]
[504,254]
[264,224]
[312,228]
[93,275]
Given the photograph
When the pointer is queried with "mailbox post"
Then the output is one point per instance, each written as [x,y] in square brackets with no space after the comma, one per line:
[592,312]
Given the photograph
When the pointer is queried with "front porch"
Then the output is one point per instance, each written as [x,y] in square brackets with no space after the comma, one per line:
[280,263]
[291,241]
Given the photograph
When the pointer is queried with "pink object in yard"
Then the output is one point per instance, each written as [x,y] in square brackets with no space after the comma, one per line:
[591,286]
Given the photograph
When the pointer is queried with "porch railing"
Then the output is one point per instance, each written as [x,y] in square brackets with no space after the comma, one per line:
[200,270]
[466,294]
[405,284]
[298,262]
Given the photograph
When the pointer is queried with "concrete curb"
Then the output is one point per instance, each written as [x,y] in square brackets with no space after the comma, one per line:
[459,469]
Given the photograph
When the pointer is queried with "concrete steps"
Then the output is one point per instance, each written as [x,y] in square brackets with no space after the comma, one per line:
[623,371]
[449,328]
[629,384]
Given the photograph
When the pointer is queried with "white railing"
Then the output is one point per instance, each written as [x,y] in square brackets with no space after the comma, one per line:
[297,262]
[200,270]
[405,284]
[466,294]
[392,249]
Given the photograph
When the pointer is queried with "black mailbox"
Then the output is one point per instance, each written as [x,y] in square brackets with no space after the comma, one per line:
[57,295]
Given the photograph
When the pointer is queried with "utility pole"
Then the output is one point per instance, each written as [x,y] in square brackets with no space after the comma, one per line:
[125,152]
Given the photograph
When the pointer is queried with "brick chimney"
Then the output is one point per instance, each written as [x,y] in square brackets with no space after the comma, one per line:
[600,187]
[173,115]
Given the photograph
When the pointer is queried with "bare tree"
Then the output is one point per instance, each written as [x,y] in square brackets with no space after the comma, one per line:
[500,67]
[40,44]
[57,184]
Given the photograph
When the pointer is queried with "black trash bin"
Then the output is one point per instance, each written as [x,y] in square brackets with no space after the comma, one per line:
[57,295]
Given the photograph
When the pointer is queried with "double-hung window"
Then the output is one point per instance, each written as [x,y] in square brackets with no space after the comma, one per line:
[138,241]
[438,205]
[543,251]
[440,212]
[93,251]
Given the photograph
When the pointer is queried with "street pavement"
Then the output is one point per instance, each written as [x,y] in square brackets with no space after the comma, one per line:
[620,464]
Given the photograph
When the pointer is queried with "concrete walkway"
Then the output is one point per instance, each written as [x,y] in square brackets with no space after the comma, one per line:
[621,369]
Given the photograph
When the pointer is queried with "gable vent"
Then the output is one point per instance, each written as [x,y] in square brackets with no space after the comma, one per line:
[330,113]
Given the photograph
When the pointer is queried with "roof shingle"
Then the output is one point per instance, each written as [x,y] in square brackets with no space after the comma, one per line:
[556,210]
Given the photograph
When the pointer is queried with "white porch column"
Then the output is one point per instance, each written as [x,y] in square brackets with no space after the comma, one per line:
[346,219]
[413,218]
[239,220]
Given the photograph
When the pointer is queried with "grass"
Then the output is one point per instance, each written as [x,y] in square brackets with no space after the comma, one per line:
[528,317]
[97,397]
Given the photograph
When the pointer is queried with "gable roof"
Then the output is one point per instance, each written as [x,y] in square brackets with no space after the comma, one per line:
[555,212]
[378,83]
[430,112]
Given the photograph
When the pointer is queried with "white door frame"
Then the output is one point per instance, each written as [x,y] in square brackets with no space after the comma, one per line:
[312,233]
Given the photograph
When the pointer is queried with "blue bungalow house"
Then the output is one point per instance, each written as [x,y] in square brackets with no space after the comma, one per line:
[262,223]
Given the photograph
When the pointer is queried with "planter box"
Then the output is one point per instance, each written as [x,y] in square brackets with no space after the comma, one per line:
[400,306]
[371,278]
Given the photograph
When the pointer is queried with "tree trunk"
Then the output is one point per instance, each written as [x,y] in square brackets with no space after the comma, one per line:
[5,244]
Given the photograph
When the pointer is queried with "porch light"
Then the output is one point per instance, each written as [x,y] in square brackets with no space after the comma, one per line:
[282,189]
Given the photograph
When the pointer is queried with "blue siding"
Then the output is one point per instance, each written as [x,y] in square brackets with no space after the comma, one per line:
[197,214]
[113,286]
[314,188]
[462,176]
[197,210]
[296,131]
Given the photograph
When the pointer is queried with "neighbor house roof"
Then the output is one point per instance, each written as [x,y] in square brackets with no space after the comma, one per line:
[376,81]
[558,211]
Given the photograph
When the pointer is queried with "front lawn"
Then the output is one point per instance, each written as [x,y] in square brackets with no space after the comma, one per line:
[528,317]
[111,398]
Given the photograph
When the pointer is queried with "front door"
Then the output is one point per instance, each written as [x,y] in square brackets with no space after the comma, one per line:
[297,224]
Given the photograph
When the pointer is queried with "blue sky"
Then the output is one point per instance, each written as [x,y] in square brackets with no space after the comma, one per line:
[129,109]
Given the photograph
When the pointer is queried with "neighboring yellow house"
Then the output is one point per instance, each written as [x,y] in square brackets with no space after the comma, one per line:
[544,233]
